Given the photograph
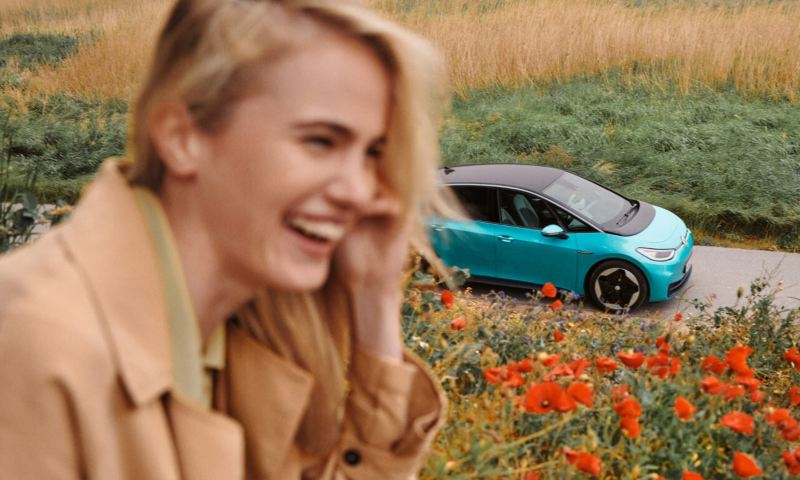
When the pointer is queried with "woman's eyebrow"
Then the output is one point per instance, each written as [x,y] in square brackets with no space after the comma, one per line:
[336,128]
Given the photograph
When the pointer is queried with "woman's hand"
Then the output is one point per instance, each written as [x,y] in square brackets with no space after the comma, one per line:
[369,263]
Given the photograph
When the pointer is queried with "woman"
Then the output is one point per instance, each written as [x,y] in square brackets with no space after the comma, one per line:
[226,303]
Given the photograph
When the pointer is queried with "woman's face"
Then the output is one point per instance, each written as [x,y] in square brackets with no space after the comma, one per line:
[286,177]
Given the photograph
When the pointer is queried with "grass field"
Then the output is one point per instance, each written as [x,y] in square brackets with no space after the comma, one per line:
[689,104]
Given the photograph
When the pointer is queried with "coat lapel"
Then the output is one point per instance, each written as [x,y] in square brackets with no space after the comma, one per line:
[210,445]
[269,396]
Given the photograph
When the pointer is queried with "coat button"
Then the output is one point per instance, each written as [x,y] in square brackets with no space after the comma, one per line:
[352,457]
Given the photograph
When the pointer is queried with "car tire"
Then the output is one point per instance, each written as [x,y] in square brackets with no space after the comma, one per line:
[616,286]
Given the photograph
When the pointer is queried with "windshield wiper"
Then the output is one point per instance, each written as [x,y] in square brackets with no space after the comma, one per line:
[624,219]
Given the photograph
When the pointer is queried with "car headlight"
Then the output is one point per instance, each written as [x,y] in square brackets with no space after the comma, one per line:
[657,255]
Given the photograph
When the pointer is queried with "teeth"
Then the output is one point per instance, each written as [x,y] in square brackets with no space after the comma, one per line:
[329,231]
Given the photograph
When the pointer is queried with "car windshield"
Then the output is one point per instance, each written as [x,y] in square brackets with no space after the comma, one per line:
[588,199]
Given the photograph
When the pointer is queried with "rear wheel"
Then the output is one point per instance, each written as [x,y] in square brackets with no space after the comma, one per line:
[616,285]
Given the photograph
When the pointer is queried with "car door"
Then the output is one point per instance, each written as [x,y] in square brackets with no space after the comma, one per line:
[469,244]
[523,253]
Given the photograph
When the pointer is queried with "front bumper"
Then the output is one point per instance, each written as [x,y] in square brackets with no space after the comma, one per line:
[667,279]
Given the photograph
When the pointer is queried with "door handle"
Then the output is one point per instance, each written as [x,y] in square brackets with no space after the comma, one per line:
[505,238]
[437,227]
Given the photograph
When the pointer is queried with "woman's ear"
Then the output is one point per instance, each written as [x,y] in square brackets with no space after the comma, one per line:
[178,141]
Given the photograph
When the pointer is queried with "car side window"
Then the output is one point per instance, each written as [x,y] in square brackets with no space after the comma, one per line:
[520,209]
[571,223]
[479,202]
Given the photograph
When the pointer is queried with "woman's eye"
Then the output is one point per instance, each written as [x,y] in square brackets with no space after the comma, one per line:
[375,153]
[319,141]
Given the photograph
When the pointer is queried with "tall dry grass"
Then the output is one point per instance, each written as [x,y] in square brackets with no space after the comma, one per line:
[753,46]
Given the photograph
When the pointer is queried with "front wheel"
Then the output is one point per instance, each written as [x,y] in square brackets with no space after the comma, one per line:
[616,285]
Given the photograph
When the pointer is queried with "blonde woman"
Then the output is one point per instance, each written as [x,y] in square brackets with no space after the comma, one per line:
[224,303]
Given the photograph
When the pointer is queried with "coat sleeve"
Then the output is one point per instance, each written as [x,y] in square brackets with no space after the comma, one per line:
[36,430]
[392,415]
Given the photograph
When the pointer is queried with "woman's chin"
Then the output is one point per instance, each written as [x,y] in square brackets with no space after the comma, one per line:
[298,280]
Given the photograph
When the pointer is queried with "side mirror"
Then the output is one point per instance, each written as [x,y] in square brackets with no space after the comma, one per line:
[553,231]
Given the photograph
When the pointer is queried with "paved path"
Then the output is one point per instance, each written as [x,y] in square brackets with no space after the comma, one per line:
[717,275]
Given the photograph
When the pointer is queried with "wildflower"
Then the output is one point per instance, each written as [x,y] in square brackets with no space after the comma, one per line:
[791,434]
[556,305]
[581,392]
[662,365]
[585,462]
[525,365]
[794,395]
[737,359]
[692,476]
[558,335]
[757,396]
[750,382]
[733,392]
[548,396]
[549,290]
[578,366]
[662,343]
[713,364]
[630,426]
[684,409]
[447,299]
[632,360]
[629,407]
[493,375]
[713,385]
[781,418]
[605,365]
[792,461]
[793,356]
[458,323]
[531,476]
[550,361]
[745,466]
[739,422]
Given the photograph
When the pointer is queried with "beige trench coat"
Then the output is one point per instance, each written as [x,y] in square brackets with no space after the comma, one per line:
[86,375]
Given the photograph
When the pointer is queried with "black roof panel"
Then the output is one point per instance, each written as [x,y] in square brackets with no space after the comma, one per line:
[527,177]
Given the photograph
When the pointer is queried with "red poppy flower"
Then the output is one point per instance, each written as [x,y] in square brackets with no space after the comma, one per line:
[549,290]
[732,392]
[556,305]
[781,418]
[632,360]
[791,434]
[562,370]
[792,461]
[558,336]
[493,375]
[447,298]
[737,359]
[662,343]
[794,395]
[581,392]
[584,462]
[750,382]
[678,316]
[793,356]
[739,422]
[605,365]
[745,466]
[578,366]
[629,407]
[692,476]
[548,396]
[713,364]
[458,323]
[531,476]
[514,379]
[713,385]
[525,365]
[757,396]
[620,392]
[684,408]
[630,426]
[550,361]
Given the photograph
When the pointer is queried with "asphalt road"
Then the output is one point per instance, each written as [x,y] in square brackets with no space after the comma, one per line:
[718,273]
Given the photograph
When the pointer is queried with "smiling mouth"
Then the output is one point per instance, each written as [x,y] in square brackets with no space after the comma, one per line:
[317,230]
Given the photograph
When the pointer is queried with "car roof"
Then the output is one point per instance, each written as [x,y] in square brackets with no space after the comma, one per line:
[526,177]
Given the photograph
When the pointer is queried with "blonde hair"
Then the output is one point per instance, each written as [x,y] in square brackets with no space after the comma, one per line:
[204,58]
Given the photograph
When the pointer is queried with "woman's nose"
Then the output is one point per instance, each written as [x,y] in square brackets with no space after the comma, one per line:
[354,184]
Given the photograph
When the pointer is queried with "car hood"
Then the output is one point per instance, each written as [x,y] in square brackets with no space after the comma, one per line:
[666,227]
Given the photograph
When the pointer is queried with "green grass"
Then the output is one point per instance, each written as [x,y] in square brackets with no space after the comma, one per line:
[725,163]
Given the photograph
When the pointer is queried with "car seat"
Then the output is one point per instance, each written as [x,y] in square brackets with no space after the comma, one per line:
[526,211]
[505,217]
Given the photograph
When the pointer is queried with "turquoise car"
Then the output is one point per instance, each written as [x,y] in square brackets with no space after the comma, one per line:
[531,225]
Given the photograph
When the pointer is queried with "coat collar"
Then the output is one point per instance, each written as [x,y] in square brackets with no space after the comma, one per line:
[108,240]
